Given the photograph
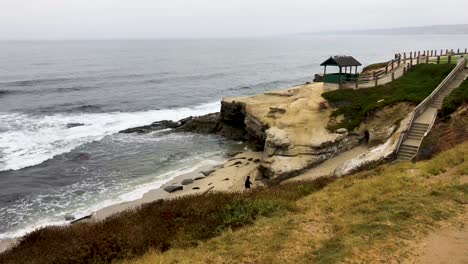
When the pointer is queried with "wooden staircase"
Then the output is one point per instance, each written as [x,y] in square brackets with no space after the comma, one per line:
[424,114]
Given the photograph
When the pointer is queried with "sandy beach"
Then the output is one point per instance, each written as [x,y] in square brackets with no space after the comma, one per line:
[228,175]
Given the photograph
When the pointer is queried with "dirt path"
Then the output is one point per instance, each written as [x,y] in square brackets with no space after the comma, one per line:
[445,246]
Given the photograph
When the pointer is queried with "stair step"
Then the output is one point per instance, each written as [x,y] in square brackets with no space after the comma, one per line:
[408,153]
[417,134]
[417,129]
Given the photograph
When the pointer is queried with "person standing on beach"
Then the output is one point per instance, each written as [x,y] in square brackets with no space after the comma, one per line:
[247,183]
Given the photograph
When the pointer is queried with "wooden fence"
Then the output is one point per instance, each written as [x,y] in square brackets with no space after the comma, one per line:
[403,62]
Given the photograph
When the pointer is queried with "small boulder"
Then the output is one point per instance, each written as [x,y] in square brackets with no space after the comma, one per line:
[199,178]
[236,163]
[250,159]
[71,125]
[208,172]
[227,179]
[341,131]
[187,181]
[173,188]
[196,188]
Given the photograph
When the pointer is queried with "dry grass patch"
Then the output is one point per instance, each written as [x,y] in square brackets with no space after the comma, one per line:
[370,217]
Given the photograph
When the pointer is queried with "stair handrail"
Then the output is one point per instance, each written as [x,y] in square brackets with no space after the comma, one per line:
[420,108]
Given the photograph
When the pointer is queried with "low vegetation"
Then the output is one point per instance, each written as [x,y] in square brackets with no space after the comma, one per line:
[454,100]
[375,66]
[370,217]
[414,87]
[162,225]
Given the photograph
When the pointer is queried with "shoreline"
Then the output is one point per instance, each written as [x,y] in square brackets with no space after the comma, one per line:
[228,175]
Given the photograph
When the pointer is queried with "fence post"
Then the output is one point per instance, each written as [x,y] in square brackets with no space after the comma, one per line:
[427,59]
[438,59]
[417,60]
[446,52]
[451,51]
[432,53]
[399,59]
[386,69]
[458,51]
[435,52]
[392,65]
[357,83]
[466,50]
[393,76]
[419,53]
[404,70]
[449,59]
[376,81]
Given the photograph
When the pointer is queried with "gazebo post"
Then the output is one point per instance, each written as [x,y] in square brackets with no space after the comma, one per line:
[325,71]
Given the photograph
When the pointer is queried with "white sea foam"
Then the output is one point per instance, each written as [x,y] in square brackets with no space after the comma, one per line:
[28,140]
[54,218]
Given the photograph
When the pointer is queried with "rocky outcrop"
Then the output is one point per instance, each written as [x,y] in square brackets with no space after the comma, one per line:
[207,124]
[159,125]
[282,159]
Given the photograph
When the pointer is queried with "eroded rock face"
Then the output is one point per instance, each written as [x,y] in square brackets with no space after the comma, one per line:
[384,122]
[282,159]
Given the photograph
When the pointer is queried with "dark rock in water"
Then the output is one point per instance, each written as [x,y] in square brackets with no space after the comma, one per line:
[83,156]
[70,125]
[196,188]
[207,124]
[69,218]
[199,178]
[159,125]
[208,172]
[173,188]
[187,181]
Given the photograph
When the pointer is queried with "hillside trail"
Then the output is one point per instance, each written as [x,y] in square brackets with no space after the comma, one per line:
[445,245]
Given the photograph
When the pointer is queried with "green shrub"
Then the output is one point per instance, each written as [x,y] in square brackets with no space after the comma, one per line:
[414,87]
[160,225]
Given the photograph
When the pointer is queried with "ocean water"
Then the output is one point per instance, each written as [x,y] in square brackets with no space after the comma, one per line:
[48,170]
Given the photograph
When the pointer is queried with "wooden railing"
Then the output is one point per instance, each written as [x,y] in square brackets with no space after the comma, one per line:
[419,110]
[407,61]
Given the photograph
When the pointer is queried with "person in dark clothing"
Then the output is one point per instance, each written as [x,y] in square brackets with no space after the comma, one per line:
[247,183]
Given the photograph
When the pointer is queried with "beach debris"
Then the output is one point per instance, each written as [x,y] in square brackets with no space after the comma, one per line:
[256,160]
[81,219]
[209,189]
[71,125]
[187,181]
[199,178]
[227,179]
[341,131]
[173,188]
[196,188]
[69,217]
[208,172]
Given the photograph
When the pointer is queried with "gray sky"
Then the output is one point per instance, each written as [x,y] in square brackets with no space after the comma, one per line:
[62,19]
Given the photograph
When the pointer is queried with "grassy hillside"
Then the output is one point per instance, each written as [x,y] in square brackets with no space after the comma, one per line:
[371,217]
[356,105]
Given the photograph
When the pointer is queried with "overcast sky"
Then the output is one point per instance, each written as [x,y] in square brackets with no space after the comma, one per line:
[63,19]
